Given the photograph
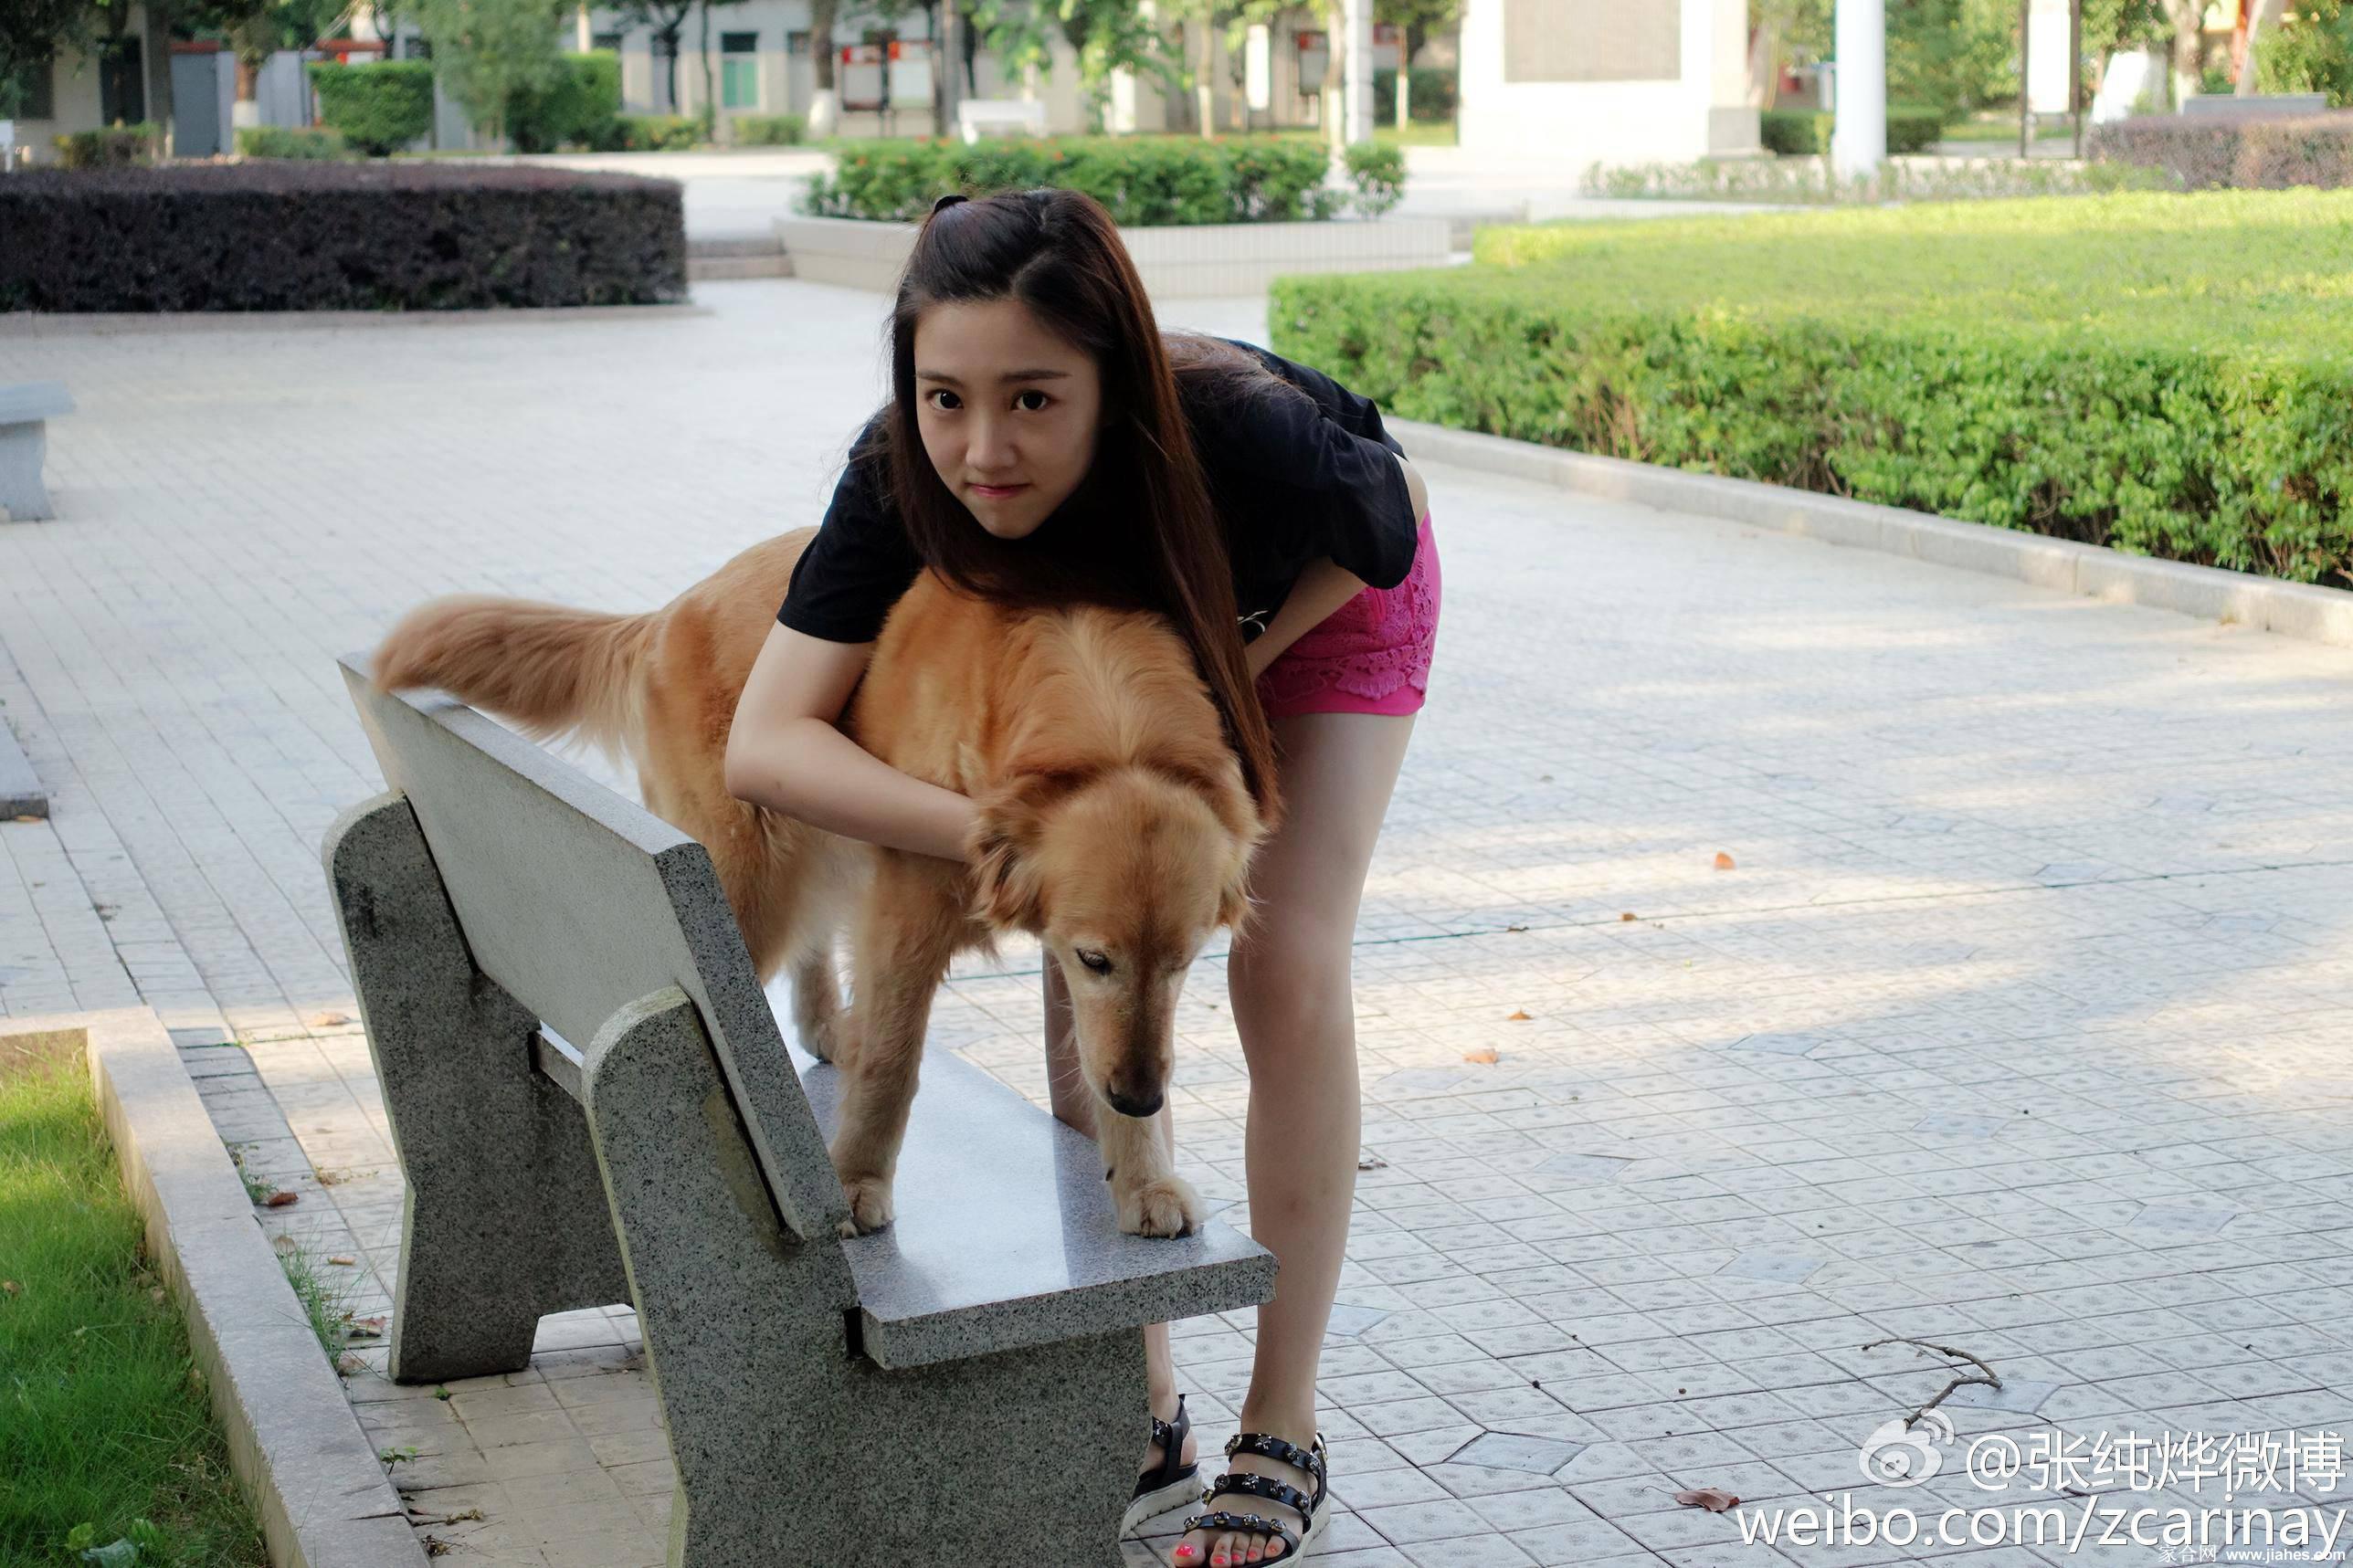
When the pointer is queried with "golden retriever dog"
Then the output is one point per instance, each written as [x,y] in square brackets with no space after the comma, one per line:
[1114,821]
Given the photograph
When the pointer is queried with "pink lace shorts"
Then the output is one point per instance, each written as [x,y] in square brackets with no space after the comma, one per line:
[1371,654]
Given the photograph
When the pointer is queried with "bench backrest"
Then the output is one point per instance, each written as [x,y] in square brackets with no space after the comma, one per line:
[2262,106]
[29,400]
[974,114]
[579,903]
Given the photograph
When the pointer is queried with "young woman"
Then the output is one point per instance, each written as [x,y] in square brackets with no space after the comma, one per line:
[1044,443]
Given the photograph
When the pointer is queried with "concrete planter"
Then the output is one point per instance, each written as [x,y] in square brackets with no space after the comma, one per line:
[1188,263]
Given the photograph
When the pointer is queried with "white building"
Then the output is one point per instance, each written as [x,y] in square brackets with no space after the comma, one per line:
[761,63]
[1578,82]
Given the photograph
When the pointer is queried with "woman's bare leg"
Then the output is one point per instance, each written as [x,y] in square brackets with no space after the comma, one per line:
[1293,1000]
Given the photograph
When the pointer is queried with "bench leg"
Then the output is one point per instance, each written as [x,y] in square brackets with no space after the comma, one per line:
[505,1219]
[792,1448]
[21,449]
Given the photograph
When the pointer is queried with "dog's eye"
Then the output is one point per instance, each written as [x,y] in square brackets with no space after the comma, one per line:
[1094,961]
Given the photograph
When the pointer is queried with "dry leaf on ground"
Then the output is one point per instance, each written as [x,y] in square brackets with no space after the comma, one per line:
[1518,1015]
[367,1329]
[341,1262]
[329,1020]
[1722,861]
[1627,916]
[1484,1054]
[1371,1163]
[280,1200]
[1715,1499]
[10,1288]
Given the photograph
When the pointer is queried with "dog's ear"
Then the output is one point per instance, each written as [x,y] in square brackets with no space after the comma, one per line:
[1008,891]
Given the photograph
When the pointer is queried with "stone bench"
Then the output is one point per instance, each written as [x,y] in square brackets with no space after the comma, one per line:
[2262,106]
[24,438]
[592,1104]
[978,117]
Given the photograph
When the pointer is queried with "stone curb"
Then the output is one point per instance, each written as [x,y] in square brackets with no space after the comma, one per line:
[116,323]
[296,1448]
[2206,593]
[21,793]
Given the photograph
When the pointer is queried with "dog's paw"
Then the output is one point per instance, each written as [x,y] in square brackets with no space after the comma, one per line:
[869,1204]
[1166,1206]
[827,1039]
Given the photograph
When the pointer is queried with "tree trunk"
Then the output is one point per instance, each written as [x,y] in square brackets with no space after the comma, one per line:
[158,50]
[1336,76]
[1765,65]
[2186,16]
[2266,15]
[709,99]
[1205,92]
[824,110]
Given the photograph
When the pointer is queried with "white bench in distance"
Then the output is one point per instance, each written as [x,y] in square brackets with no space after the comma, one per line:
[24,408]
[978,117]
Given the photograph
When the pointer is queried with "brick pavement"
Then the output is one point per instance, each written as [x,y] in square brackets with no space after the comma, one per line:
[2018,1027]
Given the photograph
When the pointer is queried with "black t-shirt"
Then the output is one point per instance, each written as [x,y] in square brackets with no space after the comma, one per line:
[1293,480]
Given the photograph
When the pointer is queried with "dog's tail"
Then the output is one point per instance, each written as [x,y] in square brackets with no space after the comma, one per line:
[552,670]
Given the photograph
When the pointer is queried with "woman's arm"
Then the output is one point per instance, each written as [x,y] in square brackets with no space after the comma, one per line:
[1323,588]
[786,752]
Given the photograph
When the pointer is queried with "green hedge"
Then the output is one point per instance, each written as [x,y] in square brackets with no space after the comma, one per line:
[768,129]
[658,133]
[578,108]
[1144,182]
[2196,153]
[1433,95]
[115,147]
[1806,132]
[2006,363]
[381,108]
[286,141]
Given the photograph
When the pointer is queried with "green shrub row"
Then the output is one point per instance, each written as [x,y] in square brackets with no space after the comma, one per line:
[768,129]
[112,147]
[1432,94]
[380,109]
[658,133]
[1806,132]
[578,108]
[1145,184]
[2005,364]
[2199,155]
[317,147]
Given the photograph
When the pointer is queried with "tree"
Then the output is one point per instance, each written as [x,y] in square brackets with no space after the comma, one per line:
[668,20]
[486,51]
[1109,36]
[1415,21]
[32,34]
[826,111]
[2312,54]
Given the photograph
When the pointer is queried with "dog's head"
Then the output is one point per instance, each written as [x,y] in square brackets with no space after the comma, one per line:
[1123,875]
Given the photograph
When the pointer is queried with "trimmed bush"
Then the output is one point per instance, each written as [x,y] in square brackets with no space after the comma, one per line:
[1806,132]
[2013,364]
[659,133]
[579,107]
[285,141]
[380,109]
[1144,182]
[2199,155]
[317,237]
[1433,95]
[768,129]
[113,147]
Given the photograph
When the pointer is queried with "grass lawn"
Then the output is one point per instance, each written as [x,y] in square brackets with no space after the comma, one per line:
[2256,273]
[105,1432]
[2000,129]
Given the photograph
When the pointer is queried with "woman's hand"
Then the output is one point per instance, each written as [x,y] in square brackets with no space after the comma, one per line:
[1323,588]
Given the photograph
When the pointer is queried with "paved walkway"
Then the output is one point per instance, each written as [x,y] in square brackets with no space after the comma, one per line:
[2019,1026]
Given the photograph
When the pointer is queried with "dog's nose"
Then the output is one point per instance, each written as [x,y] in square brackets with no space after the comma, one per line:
[1133,1104]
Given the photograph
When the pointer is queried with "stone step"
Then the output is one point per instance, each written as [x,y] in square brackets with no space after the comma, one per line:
[773,263]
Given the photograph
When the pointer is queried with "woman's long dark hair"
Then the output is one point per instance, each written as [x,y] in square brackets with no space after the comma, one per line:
[1154,538]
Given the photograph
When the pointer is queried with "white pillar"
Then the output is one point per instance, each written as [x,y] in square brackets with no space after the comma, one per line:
[1859,142]
[584,38]
[1356,89]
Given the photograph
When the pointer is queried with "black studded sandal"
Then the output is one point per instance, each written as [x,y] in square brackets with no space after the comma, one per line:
[1296,1541]
[1170,1483]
